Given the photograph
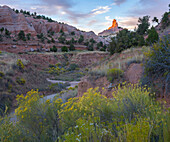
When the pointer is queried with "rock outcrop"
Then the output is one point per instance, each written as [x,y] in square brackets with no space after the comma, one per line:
[14,22]
[114,25]
[111,30]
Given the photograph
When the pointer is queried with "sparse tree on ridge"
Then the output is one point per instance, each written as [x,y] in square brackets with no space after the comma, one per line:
[143,25]
[155,19]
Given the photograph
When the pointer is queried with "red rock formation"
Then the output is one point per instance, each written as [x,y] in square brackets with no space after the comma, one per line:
[111,30]
[14,22]
[114,24]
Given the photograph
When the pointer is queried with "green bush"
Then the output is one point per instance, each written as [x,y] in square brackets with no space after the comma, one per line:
[157,65]
[53,49]
[21,35]
[20,81]
[152,36]
[61,39]
[1,38]
[73,67]
[71,47]
[73,33]
[81,39]
[20,64]
[1,74]
[114,74]
[125,39]
[28,36]
[64,49]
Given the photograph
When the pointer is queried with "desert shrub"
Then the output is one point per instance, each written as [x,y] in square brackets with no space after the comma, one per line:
[114,74]
[57,87]
[53,49]
[52,40]
[90,47]
[72,33]
[61,39]
[9,132]
[40,36]
[1,74]
[92,40]
[21,35]
[28,36]
[81,39]
[7,33]
[71,47]
[157,63]
[20,81]
[20,64]
[102,49]
[1,38]
[72,67]
[56,70]
[64,49]
[130,115]
[38,119]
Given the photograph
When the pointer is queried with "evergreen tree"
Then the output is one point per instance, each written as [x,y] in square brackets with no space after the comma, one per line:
[152,36]
[143,25]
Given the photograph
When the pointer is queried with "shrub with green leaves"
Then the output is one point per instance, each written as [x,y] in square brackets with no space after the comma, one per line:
[64,49]
[53,49]
[152,36]
[73,67]
[20,81]
[1,74]
[20,64]
[21,35]
[157,65]
[114,74]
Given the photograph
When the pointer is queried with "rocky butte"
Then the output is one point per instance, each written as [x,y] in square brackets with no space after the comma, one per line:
[114,25]
[111,30]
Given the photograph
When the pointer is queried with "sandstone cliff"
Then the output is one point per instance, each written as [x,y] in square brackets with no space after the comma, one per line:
[111,30]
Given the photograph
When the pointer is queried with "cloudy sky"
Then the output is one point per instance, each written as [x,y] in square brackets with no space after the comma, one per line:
[95,15]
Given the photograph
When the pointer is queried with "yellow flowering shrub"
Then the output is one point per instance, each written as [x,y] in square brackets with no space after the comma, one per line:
[130,116]
[20,64]
[38,116]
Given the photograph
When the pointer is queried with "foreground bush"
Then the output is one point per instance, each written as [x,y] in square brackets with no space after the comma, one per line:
[114,74]
[157,65]
[131,115]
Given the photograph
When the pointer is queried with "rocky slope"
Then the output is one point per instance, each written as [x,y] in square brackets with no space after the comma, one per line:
[15,22]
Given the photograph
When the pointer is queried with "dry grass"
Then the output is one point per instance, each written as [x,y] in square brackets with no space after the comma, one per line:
[8,61]
[120,61]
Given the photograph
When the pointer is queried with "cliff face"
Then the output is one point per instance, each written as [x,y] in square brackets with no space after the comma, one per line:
[114,25]
[111,30]
[14,22]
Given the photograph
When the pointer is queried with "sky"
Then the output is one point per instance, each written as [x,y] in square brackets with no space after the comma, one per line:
[93,15]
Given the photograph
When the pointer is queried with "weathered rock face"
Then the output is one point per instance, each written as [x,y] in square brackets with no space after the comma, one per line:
[111,30]
[114,24]
[85,59]
[14,22]
[134,73]
[101,83]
